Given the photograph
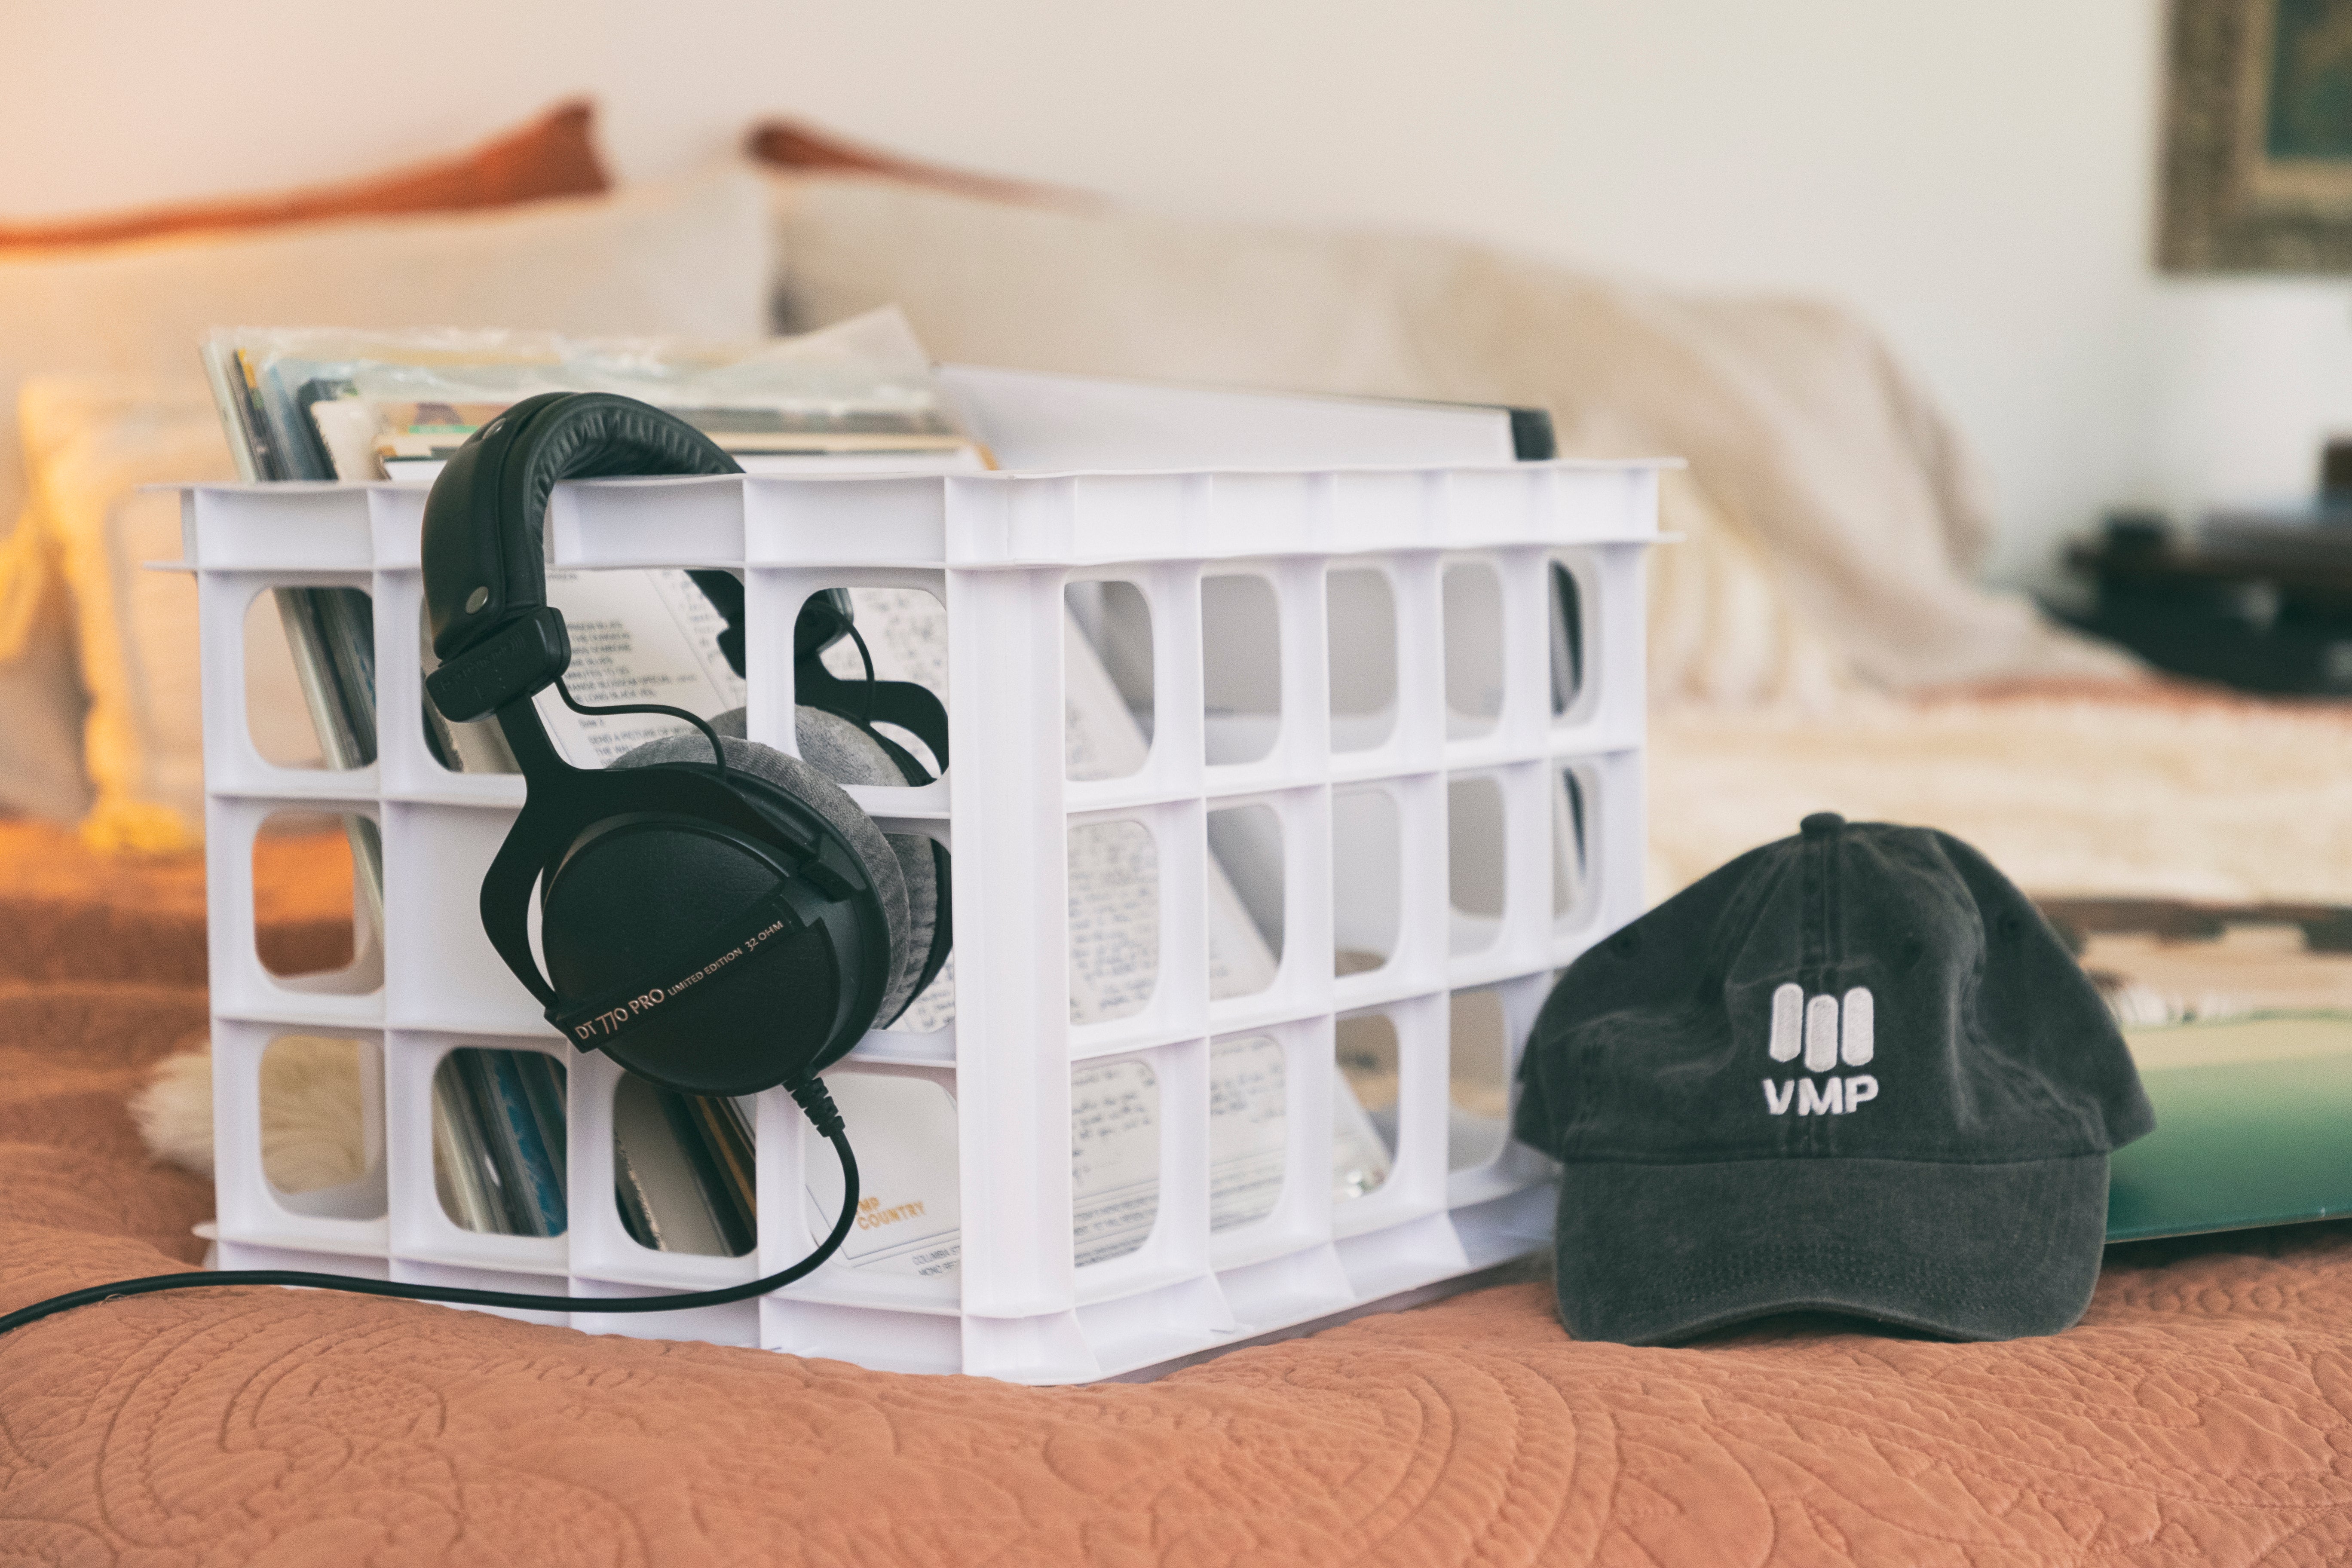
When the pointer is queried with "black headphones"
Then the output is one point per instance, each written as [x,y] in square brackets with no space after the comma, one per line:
[718,926]
[716,916]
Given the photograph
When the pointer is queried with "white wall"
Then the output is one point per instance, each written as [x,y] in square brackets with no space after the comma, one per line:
[1975,179]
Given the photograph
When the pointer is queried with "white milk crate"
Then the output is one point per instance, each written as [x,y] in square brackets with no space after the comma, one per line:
[1465,729]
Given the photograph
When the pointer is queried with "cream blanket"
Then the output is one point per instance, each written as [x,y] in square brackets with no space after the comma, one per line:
[2158,794]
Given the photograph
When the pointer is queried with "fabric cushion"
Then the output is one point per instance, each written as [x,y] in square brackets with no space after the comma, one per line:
[89,447]
[691,260]
[40,700]
[1835,494]
[554,155]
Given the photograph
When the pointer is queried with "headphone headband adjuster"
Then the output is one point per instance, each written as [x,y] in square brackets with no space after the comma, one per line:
[520,659]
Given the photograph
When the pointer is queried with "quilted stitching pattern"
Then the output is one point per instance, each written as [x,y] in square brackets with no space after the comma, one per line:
[2202,1412]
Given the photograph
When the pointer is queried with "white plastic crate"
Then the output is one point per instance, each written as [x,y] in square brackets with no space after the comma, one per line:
[1372,802]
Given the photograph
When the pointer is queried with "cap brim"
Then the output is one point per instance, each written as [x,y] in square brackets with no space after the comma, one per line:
[1656,1253]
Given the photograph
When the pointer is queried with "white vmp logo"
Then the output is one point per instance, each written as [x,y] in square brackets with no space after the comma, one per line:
[1827,1033]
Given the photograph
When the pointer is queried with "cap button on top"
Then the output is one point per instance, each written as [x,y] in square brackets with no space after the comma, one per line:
[1820,825]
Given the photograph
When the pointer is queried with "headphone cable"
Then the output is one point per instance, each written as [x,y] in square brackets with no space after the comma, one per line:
[718,752]
[851,628]
[812,1099]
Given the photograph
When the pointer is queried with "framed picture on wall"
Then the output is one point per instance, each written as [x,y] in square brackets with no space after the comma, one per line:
[2258,137]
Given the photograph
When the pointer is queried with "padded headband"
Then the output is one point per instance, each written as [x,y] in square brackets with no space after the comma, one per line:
[485,576]
[478,579]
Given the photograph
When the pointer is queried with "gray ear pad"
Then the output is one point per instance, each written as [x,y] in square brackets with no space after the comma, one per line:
[847,755]
[877,855]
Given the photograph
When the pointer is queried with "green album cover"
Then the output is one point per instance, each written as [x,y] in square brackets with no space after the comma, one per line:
[2254,1126]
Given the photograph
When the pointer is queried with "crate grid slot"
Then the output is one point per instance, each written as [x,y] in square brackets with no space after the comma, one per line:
[999,553]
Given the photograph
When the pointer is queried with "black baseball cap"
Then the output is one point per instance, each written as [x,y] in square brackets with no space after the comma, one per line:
[1854,1071]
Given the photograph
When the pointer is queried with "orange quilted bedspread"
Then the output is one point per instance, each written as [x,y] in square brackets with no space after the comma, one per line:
[2201,1413]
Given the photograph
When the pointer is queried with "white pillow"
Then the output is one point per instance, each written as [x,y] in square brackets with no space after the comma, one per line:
[691,260]
[1168,298]
[1119,294]
[90,446]
[1841,502]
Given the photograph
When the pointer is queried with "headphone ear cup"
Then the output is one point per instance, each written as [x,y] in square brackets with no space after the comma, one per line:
[798,779]
[847,753]
[928,871]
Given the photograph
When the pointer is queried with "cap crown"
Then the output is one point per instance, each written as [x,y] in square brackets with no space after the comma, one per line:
[1861,991]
